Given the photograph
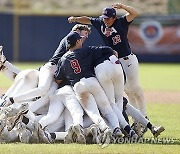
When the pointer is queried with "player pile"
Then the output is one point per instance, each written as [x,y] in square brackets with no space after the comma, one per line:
[18,122]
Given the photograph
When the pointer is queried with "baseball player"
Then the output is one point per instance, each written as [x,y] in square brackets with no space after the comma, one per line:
[109,73]
[77,66]
[46,72]
[113,31]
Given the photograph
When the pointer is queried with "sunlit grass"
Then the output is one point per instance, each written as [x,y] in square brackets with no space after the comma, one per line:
[152,77]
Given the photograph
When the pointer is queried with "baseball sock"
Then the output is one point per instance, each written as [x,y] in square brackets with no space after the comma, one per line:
[59,135]
[30,115]
[127,129]
[28,123]
[53,135]
[149,125]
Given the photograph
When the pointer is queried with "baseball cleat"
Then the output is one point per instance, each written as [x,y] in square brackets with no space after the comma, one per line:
[133,135]
[156,131]
[34,137]
[3,119]
[44,136]
[12,111]
[2,125]
[12,121]
[94,130]
[24,134]
[80,134]
[117,132]
[69,137]
[143,130]
[136,126]
[106,138]
[15,115]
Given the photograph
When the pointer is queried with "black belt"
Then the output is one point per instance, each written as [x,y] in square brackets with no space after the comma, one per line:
[126,58]
[52,63]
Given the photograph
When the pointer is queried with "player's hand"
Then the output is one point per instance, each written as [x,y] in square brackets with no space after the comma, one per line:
[118,5]
[72,19]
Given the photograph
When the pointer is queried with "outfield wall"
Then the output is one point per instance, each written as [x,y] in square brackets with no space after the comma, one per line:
[36,37]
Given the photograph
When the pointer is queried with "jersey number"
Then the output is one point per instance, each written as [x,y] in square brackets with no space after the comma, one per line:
[116,39]
[75,65]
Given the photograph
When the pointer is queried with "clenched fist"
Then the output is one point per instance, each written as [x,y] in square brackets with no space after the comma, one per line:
[118,6]
[72,19]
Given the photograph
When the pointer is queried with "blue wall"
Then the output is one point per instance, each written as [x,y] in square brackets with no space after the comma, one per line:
[6,34]
[39,36]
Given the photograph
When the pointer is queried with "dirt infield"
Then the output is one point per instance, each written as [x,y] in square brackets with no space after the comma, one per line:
[153,96]
[162,96]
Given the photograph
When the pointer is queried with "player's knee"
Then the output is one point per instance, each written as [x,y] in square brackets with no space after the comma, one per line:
[137,91]
[53,88]
[119,71]
[79,88]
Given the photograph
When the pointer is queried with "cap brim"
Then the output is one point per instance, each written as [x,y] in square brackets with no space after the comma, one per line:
[104,16]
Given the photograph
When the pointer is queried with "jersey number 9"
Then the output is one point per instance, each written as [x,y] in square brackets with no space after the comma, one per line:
[75,65]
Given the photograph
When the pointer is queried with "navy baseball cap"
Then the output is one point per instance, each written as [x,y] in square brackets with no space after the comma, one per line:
[72,37]
[108,12]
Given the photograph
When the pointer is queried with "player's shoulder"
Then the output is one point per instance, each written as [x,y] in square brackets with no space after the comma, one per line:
[122,19]
[63,40]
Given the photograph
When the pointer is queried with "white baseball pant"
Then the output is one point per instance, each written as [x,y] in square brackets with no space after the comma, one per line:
[111,78]
[132,86]
[89,93]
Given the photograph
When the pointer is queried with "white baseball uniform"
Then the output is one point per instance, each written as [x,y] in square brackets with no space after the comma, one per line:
[110,75]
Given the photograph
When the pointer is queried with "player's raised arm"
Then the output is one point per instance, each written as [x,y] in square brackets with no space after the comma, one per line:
[82,20]
[132,12]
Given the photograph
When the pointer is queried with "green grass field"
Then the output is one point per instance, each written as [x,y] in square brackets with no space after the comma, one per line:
[163,77]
